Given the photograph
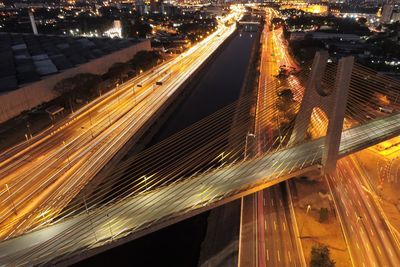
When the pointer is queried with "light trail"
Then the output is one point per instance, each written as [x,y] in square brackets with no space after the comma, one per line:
[142,210]
[55,165]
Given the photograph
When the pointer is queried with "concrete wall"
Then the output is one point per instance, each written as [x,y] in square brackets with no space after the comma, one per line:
[27,97]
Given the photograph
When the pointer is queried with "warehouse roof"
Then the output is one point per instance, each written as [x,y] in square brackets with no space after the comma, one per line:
[27,58]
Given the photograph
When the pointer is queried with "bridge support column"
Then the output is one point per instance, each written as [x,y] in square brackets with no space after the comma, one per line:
[332,102]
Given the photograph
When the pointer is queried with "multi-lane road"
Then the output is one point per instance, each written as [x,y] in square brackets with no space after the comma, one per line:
[159,207]
[279,245]
[41,176]
[368,236]
[282,247]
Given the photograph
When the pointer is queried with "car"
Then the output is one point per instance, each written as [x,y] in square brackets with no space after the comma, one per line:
[370,116]
[139,85]
[385,110]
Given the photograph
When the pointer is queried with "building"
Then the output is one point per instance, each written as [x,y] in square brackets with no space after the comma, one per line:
[140,7]
[155,6]
[32,64]
[324,36]
[387,13]
[395,17]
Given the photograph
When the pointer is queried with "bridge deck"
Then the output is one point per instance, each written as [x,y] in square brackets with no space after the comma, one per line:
[152,210]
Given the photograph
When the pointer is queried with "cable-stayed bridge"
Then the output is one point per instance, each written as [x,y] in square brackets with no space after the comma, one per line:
[137,215]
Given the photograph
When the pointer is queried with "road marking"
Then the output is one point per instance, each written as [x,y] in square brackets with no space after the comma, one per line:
[284,226]
[275,225]
[279,256]
[357,245]
[351,227]
[390,252]
[265,225]
[379,250]
[272,202]
[280,201]
[264,202]
[381,231]
[267,255]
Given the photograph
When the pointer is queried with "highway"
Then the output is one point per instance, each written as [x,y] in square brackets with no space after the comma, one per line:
[367,235]
[369,239]
[281,246]
[41,176]
[94,228]
[280,243]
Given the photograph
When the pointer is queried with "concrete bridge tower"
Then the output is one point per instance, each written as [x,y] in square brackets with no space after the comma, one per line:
[332,102]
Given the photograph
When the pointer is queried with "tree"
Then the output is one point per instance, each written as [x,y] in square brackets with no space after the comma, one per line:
[139,29]
[323,215]
[320,256]
[145,59]
[83,84]
[362,20]
[277,21]
[285,100]
[118,71]
[286,93]
[127,28]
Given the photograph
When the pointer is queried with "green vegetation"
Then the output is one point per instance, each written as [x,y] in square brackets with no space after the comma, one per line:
[89,85]
[320,256]
[197,28]
[323,215]
[331,24]
[83,84]
[142,61]
[304,50]
[118,71]
[277,22]
[145,60]
[135,28]
[287,106]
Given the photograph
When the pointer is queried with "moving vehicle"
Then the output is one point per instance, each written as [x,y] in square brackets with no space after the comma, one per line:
[385,110]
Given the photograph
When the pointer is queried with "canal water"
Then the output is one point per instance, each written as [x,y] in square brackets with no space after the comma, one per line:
[218,85]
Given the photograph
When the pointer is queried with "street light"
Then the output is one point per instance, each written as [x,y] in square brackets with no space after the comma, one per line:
[89,215]
[145,181]
[12,201]
[360,219]
[28,126]
[302,226]
[246,143]
[66,149]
